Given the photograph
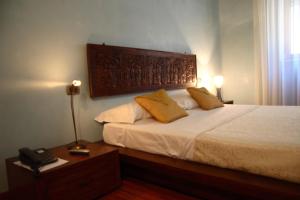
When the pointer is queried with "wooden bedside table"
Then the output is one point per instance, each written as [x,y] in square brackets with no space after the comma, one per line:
[83,177]
[228,102]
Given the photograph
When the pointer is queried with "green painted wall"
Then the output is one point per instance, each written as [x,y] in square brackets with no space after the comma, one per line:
[43,49]
[237,50]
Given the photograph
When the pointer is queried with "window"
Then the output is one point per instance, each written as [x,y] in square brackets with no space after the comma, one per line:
[295,27]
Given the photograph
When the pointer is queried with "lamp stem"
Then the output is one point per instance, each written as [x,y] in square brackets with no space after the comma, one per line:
[73,116]
[219,94]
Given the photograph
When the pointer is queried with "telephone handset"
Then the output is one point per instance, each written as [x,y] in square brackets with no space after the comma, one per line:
[36,158]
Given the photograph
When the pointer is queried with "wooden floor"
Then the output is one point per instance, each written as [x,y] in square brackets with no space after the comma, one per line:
[133,189]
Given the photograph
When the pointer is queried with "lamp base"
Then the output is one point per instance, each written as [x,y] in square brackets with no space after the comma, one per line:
[219,94]
[77,147]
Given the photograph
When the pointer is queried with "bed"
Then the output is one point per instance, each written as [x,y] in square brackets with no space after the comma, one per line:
[263,140]
[233,152]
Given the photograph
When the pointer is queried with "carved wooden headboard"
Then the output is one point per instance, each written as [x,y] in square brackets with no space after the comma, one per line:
[119,70]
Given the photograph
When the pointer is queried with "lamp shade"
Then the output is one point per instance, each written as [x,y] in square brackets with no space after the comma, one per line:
[76,83]
[218,80]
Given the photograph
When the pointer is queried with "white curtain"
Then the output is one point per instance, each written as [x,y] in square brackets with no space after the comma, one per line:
[277,51]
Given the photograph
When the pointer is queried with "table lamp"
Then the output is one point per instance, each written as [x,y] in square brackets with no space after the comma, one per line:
[72,90]
[219,80]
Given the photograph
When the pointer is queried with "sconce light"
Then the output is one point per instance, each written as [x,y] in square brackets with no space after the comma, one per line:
[219,80]
[72,90]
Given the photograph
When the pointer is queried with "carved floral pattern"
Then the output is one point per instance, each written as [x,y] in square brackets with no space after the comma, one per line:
[119,70]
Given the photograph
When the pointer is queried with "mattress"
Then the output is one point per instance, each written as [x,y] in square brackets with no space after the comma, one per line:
[258,139]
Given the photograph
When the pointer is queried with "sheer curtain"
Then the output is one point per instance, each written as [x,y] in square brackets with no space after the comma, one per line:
[277,51]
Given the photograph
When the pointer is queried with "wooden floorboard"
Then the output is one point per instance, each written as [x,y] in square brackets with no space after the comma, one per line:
[133,189]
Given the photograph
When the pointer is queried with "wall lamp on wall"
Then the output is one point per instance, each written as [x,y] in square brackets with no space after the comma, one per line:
[219,80]
[72,90]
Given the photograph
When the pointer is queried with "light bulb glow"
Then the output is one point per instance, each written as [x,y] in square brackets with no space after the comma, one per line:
[76,83]
[218,80]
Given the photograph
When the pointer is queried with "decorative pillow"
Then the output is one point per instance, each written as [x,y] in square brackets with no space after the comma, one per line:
[161,106]
[184,100]
[126,113]
[204,99]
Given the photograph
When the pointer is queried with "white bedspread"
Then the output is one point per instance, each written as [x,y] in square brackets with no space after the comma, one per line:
[261,140]
[174,139]
[265,141]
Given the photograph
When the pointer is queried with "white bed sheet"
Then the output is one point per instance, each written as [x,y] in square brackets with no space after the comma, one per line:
[174,139]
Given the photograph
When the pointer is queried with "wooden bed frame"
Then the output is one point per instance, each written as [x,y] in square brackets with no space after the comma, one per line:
[203,181]
[121,70]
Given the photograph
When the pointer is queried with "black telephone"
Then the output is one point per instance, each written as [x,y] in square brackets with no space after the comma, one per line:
[36,158]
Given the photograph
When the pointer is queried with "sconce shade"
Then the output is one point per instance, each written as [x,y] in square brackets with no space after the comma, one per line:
[74,88]
[218,80]
[76,83]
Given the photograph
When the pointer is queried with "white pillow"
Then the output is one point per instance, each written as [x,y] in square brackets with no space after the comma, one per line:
[184,100]
[126,113]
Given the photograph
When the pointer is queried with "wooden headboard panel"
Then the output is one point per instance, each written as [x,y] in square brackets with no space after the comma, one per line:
[120,70]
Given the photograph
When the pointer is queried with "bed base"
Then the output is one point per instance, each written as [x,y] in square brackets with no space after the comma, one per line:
[203,181]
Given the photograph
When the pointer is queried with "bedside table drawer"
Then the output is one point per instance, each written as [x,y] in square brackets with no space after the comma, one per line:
[85,181]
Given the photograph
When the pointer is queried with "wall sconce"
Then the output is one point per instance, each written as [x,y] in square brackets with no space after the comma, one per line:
[72,90]
[219,80]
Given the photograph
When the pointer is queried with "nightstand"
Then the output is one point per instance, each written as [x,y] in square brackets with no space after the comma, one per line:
[228,102]
[83,177]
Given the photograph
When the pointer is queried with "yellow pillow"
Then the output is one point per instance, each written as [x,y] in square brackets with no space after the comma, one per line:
[161,106]
[204,99]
